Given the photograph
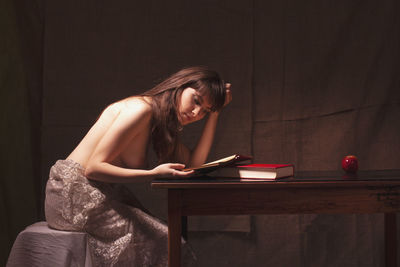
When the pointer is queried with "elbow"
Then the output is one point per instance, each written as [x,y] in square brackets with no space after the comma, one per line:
[90,172]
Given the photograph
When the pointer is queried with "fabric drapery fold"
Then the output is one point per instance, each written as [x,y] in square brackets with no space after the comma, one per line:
[119,232]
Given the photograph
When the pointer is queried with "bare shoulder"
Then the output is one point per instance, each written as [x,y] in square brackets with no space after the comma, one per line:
[136,105]
[132,110]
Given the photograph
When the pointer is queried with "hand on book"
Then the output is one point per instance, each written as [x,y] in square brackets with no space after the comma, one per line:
[171,170]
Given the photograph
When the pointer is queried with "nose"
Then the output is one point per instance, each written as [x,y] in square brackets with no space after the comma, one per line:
[196,111]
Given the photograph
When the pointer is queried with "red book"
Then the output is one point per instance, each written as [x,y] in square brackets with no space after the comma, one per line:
[265,171]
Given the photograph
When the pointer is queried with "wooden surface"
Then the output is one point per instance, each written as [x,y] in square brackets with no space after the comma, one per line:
[306,193]
[301,179]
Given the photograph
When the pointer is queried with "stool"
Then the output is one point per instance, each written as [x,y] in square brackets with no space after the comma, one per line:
[39,245]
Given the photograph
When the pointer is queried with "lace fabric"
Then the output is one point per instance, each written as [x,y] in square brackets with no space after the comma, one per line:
[119,232]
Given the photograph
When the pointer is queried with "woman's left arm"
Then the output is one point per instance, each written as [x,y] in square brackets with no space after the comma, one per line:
[203,146]
[198,155]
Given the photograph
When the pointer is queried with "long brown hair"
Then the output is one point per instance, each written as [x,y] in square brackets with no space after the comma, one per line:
[165,96]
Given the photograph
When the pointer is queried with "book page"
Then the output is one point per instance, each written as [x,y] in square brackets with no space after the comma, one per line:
[219,161]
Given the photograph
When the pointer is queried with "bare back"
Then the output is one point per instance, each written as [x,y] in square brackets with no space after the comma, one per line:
[134,154]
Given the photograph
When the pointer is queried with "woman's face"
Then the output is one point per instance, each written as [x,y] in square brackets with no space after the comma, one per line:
[192,106]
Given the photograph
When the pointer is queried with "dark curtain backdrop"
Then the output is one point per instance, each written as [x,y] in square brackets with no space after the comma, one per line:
[312,81]
[20,89]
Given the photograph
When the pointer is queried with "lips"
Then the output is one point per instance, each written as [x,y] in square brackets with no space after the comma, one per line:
[187,117]
[184,118]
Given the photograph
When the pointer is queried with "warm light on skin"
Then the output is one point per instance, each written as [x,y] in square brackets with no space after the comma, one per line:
[192,106]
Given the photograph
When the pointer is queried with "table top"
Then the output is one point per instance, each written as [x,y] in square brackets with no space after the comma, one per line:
[300,179]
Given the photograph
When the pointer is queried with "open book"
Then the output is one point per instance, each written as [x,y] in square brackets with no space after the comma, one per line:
[224,162]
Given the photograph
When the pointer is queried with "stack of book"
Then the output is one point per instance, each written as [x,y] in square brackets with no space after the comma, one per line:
[230,167]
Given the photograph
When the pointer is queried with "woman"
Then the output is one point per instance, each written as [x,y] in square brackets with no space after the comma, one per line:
[81,193]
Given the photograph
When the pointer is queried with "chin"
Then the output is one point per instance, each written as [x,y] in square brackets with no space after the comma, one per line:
[183,120]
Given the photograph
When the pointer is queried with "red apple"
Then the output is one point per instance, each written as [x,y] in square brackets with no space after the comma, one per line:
[350,164]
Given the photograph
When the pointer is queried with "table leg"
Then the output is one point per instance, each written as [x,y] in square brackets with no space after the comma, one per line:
[184,228]
[174,228]
[390,240]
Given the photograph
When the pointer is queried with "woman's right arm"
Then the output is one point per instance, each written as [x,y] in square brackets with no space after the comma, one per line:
[129,122]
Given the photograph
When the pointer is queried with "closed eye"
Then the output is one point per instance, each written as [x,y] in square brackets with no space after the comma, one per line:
[198,100]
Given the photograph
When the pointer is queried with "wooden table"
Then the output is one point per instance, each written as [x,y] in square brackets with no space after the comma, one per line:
[306,193]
